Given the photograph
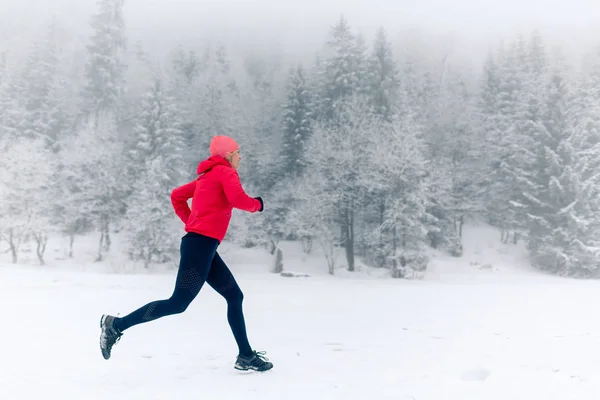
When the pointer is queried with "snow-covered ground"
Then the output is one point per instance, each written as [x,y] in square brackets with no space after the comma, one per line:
[464,332]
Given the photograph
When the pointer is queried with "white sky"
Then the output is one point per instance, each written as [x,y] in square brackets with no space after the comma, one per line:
[303,23]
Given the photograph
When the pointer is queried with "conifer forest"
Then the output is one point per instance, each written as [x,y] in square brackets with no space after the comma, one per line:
[380,149]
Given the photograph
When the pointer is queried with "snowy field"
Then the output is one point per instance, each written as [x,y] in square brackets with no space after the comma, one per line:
[461,333]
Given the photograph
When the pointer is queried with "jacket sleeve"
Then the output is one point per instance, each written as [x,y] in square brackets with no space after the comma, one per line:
[235,194]
[179,198]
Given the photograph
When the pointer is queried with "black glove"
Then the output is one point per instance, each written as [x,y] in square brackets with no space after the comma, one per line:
[262,206]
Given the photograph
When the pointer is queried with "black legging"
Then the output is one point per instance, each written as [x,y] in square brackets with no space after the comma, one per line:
[199,263]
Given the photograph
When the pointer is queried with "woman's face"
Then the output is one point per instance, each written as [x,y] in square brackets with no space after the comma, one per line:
[234,159]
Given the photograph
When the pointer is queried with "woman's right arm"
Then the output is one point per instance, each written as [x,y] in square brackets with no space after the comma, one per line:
[179,199]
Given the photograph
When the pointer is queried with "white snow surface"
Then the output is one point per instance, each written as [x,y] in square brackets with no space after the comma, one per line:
[502,331]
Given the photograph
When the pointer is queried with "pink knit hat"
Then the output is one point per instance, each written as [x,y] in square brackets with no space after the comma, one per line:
[221,145]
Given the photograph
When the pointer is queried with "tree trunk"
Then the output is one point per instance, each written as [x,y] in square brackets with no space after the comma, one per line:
[433,238]
[99,258]
[71,241]
[107,241]
[348,237]
[458,225]
[394,247]
[41,239]
[278,264]
[351,246]
[381,221]
[148,258]
[274,242]
[13,246]
[329,250]
[307,243]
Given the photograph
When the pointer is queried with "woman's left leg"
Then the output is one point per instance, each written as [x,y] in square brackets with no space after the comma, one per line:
[221,279]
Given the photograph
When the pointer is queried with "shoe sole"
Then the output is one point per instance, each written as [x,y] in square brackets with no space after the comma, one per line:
[240,368]
[105,354]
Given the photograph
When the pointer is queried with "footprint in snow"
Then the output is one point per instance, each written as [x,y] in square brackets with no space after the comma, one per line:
[475,375]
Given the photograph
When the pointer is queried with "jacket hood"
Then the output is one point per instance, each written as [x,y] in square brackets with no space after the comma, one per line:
[210,163]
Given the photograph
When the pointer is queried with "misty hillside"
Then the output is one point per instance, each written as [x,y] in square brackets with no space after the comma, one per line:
[374,144]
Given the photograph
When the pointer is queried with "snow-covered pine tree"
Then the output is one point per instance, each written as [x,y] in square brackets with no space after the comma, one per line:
[573,247]
[383,77]
[157,166]
[93,165]
[219,96]
[506,93]
[55,128]
[570,245]
[584,250]
[403,233]
[158,133]
[383,91]
[261,93]
[25,199]
[537,60]
[104,68]
[24,96]
[56,119]
[562,196]
[69,213]
[102,141]
[139,73]
[36,101]
[340,71]
[584,123]
[361,65]
[547,165]
[13,97]
[518,166]
[314,217]
[188,66]
[529,131]
[298,118]
[342,109]
[341,159]
[184,81]
[3,85]
[421,84]
[2,67]
[455,146]
[417,85]
[297,125]
[512,108]
[493,124]
[39,74]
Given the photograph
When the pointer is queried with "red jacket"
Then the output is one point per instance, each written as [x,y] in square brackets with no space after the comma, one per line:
[214,194]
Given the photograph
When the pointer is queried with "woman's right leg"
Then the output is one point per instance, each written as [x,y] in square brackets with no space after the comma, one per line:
[197,253]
